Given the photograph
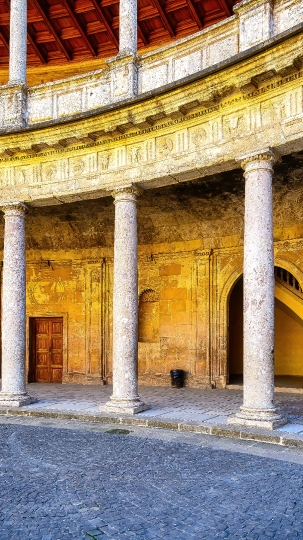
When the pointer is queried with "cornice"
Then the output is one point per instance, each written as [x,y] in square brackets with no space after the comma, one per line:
[93,139]
[161,91]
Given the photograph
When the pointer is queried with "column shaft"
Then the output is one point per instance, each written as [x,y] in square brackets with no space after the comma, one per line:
[259,281]
[128,27]
[18,42]
[13,311]
[258,389]
[125,397]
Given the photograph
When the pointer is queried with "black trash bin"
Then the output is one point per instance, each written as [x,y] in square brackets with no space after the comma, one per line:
[177,378]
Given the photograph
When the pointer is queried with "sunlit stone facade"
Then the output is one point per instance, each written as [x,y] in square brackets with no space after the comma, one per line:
[184,126]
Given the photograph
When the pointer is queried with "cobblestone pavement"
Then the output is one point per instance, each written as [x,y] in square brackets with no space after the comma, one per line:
[78,481]
[184,404]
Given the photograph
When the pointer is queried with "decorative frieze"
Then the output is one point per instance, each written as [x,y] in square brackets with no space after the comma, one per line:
[176,151]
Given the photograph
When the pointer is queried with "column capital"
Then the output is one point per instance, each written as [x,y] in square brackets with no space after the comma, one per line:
[13,208]
[129,193]
[262,159]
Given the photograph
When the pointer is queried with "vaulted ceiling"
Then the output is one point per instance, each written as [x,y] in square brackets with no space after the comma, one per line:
[74,30]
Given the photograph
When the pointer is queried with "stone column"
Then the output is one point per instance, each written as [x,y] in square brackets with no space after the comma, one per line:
[258,409]
[14,94]
[13,392]
[125,397]
[18,42]
[124,67]
[128,27]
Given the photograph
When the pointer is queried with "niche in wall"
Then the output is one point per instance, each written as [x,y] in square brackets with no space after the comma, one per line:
[149,316]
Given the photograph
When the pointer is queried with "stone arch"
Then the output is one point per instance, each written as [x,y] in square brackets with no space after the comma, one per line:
[148,327]
[288,323]
[222,326]
[289,326]
[290,267]
[219,323]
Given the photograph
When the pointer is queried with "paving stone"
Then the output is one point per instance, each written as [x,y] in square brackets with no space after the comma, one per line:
[186,408]
[63,484]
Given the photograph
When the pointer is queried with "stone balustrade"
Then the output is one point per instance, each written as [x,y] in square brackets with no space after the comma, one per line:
[254,22]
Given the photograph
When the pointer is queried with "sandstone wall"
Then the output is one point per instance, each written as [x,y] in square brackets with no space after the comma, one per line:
[190,257]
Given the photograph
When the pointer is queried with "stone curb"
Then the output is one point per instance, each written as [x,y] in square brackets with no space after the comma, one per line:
[218,430]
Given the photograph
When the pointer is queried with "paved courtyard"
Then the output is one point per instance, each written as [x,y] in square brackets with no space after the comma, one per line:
[80,481]
[181,405]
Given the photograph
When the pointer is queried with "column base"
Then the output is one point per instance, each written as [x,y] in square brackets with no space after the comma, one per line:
[124,406]
[16,400]
[264,419]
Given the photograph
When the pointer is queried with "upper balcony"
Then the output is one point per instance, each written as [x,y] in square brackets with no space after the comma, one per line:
[176,39]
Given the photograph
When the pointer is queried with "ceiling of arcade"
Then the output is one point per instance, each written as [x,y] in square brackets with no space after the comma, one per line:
[210,208]
[62,34]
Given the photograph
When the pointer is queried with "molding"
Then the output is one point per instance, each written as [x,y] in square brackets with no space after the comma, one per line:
[128,193]
[13,208]
[262,159]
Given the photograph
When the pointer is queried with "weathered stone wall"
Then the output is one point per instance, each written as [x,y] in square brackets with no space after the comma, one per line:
[190,256]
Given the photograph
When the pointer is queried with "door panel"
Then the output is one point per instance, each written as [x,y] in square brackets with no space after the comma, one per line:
[42,343]
[56,375]
[42,359]
[41,327]
[57,343]
[57,327]
[48,349]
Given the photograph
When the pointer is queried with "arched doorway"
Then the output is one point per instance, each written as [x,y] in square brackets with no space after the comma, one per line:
[288,331]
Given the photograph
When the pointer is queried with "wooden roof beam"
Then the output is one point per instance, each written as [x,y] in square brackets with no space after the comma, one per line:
[103,19]
[164,18]
[79,27]
[226,7]
[4,41]
[38,6]
[31,38]
[194,13]
[141,35]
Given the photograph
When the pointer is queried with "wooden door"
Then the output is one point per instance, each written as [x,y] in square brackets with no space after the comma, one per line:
[47,349]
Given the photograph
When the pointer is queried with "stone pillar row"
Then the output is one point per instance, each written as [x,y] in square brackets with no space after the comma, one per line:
[124,67]
[125,397]
[13,392]
[258,408]
[18,36]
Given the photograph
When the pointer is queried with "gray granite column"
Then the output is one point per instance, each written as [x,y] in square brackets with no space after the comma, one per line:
[14,94]
[13,392]
[18,42]
[258,409]
[125,397]
[128,27]
[124,67]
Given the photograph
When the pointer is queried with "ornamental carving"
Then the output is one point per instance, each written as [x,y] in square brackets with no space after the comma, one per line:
[132,191]
[199,136]
[14,208]
[149,295]
[104,160]
[78,167]
[50,172]
[135,155]
[45,289]
[165,146]
[268,156]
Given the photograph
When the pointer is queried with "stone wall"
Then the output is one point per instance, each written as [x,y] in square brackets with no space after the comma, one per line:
[190,257]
